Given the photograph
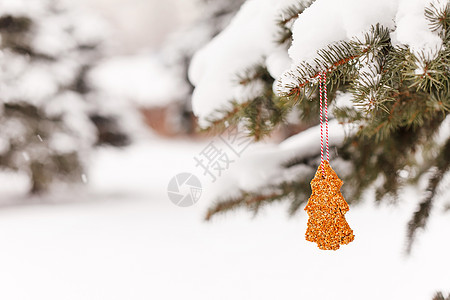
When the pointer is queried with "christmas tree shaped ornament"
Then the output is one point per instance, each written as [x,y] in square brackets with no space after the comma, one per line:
[326,207]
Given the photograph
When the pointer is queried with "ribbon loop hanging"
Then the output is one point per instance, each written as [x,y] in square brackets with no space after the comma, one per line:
[323,98]
[326,207]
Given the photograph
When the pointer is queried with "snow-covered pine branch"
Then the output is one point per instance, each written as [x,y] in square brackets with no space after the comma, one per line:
[390,57]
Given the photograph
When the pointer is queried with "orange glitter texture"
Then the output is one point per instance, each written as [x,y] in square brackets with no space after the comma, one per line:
[326,208]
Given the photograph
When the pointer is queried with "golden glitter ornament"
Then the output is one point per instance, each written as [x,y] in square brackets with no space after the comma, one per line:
[326,208]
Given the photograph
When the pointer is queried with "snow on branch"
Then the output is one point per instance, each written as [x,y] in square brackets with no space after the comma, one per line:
[248,40]
[252,36]
[340,33]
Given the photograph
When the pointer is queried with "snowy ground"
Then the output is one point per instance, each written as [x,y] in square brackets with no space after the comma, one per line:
[123,239]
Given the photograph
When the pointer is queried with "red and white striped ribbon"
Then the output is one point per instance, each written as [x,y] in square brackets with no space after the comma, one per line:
[323,115]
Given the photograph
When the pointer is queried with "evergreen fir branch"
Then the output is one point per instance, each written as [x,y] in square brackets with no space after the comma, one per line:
[371,92]
[347,115]
[262,115]
[374,159]
[334,57]
[259,115]
[233,116]
[434,74]
[420,217]
[439,101]
[438,17]
[413,110]
[254,73]
[10,24]
[440,296]
[246,200]
[229,118]
[296,191]
[398,109]
[286,19]
[223,206]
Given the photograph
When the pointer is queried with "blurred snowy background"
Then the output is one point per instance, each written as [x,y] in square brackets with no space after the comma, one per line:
[96,119]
